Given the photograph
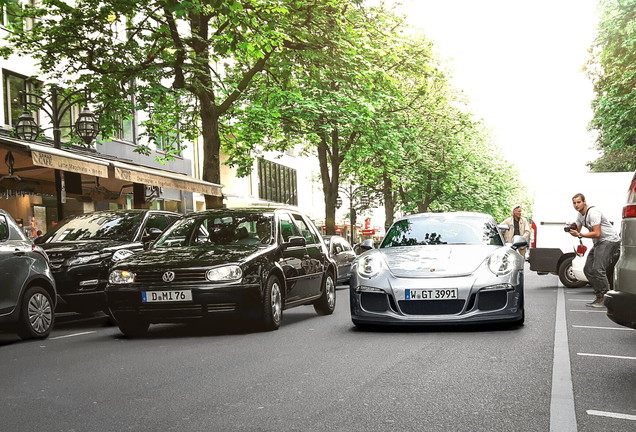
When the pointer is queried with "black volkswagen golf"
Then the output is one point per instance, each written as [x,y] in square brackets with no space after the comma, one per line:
[253,262]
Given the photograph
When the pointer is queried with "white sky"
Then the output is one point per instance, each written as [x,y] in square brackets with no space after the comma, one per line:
[520,65]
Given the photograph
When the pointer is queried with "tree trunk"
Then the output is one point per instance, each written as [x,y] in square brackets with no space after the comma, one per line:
[329,183]
[211,152]
[389,201]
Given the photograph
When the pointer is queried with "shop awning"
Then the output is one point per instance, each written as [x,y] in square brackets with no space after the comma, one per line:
[156,177]
[52,157]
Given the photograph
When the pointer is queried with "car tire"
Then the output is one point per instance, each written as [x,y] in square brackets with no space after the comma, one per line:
[272,304]
[37,315]
[326,304]
[133,328]
[567,277]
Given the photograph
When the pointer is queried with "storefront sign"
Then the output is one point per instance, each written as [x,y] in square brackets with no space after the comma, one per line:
[166,182]
[68,164]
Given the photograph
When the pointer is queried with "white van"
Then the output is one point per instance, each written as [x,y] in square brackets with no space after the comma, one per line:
[552,249]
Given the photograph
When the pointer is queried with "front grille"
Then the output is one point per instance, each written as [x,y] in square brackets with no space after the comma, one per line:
[431,307]
[374,302]
[180,277]
[492,300]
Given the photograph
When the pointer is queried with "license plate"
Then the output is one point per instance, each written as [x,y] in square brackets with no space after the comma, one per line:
[430,294]
[166,296]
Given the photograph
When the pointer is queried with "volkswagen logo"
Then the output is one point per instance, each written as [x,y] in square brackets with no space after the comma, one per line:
[168,276]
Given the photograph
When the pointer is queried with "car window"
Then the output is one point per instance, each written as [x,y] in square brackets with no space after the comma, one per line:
[346,246]
[159,221]
[215,230]
[98,226]
[4,228]
[305,230]
[287,227]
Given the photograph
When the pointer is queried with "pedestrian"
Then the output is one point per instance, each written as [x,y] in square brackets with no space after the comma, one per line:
[517,225]
[605,241]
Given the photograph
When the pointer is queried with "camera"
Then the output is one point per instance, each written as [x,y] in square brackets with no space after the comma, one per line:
[570,227]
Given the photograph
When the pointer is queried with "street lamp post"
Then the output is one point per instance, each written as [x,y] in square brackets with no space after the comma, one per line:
[351,193]
[56,108]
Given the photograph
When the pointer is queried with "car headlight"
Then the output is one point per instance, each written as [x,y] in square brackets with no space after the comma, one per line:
[501,262]
[83,259]
[119,277]
[121,254]
[225,273]
[369,265]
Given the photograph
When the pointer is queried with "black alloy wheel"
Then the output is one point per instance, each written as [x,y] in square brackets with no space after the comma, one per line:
[272,304]
[326,304]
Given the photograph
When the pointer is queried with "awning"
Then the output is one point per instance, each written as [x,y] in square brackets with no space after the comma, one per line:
[156,177]
[52,157]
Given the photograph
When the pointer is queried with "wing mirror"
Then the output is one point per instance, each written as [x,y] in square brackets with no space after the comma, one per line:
[295,241]
[519,241]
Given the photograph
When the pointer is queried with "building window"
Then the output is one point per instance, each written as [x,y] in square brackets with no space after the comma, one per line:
[12,18]
[13,106]
[169,140]
[277,183]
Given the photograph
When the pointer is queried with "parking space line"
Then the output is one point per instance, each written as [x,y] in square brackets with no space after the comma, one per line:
[588,311]
[612,415]
[606,356]
[72,335]
[604,328]
[562,415]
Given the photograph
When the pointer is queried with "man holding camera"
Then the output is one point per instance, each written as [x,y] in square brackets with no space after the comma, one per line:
[605,240]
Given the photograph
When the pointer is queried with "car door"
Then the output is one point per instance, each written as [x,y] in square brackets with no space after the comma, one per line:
[295,260]
[14,265]
[315,260]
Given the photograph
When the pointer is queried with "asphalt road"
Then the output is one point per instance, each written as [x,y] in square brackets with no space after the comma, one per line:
[321,374]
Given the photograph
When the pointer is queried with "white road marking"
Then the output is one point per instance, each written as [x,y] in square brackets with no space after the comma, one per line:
[562,415]
[72,335]
[612,415]
[607,356]
[604,328]
[588,310]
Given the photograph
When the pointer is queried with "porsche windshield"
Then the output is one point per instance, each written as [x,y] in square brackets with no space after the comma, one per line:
[440,230]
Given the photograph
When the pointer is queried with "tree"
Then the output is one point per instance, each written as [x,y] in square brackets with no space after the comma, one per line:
[184,63]
[612,71]
[325,96]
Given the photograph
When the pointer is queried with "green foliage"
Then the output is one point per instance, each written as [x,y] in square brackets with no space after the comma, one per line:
[612,71]
[343,78]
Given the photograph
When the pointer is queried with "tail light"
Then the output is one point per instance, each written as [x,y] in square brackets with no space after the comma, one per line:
[533,244]
[37,249]
[629,211]
[581,249]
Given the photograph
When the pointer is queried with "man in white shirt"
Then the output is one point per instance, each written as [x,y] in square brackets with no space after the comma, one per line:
[605,239]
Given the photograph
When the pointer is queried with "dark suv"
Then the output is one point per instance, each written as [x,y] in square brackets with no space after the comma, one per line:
[27,291]
[82,249]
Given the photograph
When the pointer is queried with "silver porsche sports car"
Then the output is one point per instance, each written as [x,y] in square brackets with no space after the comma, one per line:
[440,268]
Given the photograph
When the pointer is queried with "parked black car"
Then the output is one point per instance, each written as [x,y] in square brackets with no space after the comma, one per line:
[27,291]
[253,262]
[82,249]
[342,253]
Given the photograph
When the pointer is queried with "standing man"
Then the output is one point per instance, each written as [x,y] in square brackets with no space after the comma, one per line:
[605,240]
[517,225]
